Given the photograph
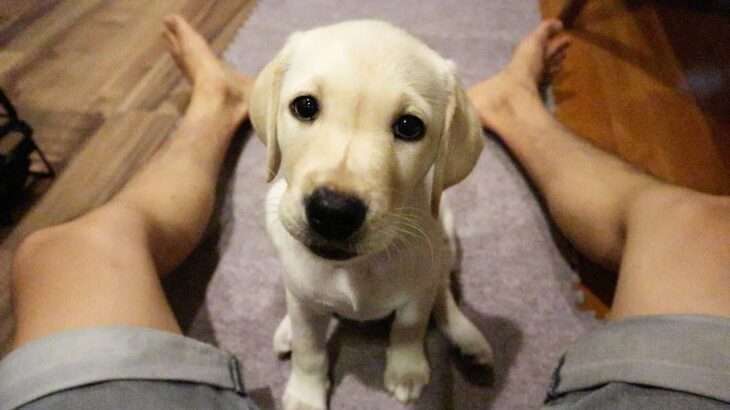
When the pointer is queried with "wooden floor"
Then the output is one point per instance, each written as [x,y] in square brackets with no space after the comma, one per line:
[85,70]
[93,79]
[650,81]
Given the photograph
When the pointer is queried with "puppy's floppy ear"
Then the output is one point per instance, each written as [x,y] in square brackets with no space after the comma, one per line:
[461,141]
[265,105]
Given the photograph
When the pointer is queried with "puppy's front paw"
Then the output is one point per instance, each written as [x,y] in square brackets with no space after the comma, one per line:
[406,373]
[305,392]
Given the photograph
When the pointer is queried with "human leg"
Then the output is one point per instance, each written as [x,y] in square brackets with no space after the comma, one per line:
[670,243]
[102,268]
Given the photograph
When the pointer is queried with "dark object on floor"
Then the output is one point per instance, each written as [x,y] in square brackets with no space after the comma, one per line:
[15,160]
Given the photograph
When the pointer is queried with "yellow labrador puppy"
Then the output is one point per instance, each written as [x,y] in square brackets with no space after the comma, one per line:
[368,126]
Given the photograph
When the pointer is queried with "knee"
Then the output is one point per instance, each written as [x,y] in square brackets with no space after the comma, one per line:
[594,222]
[58,245]
[34,249]
[33,253]
[682,210]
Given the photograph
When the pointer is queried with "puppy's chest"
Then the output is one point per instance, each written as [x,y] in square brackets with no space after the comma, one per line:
[363,293]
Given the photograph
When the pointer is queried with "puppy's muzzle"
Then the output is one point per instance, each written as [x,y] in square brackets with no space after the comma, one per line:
[334,217]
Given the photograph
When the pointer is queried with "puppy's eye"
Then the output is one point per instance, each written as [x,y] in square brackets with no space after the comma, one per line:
[305,107]
[408,128]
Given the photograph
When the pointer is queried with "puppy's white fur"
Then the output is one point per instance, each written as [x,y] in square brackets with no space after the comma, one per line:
[365,74]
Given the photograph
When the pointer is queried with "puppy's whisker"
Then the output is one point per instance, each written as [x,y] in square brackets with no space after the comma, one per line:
[387,250]
[402,239]
[402,228]
[422,233]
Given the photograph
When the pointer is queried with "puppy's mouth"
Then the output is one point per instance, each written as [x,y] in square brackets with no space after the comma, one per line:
[319,246]
[331,253]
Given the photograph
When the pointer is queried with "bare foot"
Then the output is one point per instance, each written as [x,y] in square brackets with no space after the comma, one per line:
[215,85]
[535,61]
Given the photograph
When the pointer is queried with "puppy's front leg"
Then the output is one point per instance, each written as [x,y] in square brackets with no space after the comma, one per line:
[308,383]
[407,368]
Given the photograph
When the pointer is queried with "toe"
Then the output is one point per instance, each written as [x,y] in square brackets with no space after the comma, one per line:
[558,46]
[407,391]
[550,27]
[182,27]
[546,30]
[169,21]
[172,43]
[403,392]
[173,23]
[484,358]
[405,380]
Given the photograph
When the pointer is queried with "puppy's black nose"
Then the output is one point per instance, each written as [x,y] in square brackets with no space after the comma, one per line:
[334,215]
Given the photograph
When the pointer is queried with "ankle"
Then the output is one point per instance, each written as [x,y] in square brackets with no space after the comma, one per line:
[516,109]
[217,100]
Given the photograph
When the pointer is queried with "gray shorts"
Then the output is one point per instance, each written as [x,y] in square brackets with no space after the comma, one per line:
[647,362]
[665,362]
[121,367]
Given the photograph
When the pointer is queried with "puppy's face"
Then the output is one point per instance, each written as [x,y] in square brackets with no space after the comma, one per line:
[359,118]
